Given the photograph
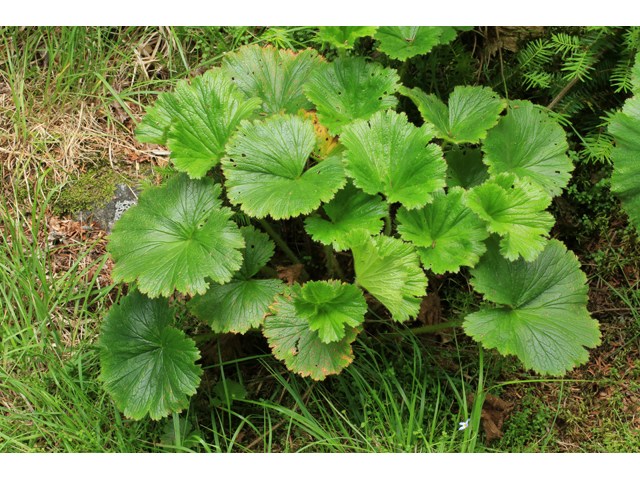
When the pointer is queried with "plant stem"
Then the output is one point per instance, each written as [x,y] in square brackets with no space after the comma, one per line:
[425,329]
[332,263]
[269,271]
[404,69]
[276,238]
[387,224]
[176,429]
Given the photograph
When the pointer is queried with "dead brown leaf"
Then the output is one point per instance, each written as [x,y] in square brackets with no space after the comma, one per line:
[291,273]
[494,412]
[430,310]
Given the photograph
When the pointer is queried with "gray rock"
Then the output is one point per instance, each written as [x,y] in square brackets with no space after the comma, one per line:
[124,197]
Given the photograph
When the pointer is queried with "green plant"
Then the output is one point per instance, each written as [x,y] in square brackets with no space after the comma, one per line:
[294,135]
[625,129]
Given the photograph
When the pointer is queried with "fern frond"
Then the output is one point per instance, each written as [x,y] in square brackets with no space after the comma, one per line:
[535,54]
[565,44]
[578,65]
[597,147]
[537,79]
[621,75]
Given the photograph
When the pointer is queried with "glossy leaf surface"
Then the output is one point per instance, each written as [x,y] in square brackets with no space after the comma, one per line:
[147,365]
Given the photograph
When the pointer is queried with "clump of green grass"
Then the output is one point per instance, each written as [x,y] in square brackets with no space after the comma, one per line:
[50,399]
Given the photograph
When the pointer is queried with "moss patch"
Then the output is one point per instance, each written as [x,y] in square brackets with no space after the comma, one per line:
[93,188]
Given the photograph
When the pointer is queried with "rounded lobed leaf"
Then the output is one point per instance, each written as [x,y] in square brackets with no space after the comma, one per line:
[635,76]
[155,125]
[350,89]
[175,237]
[401,43]
[545,321]
[389,269]
[446,233]
[257,251]
[625,183]
[344,37]
[329,306]
[147,365]
[389,155]
[530,144]
[465,168]
[236,306]
[293,341]
[265,169]
[351,208]
[449,34]
[513,208]
[242,303]
[275,76]
[210,109]
[471,112]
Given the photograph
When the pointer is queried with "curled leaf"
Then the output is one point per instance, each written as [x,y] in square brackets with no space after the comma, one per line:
[389,269]
[471,112]
[292,340]
[514,209]
[329,306]
[530,144]
[351,208]
[404,42]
